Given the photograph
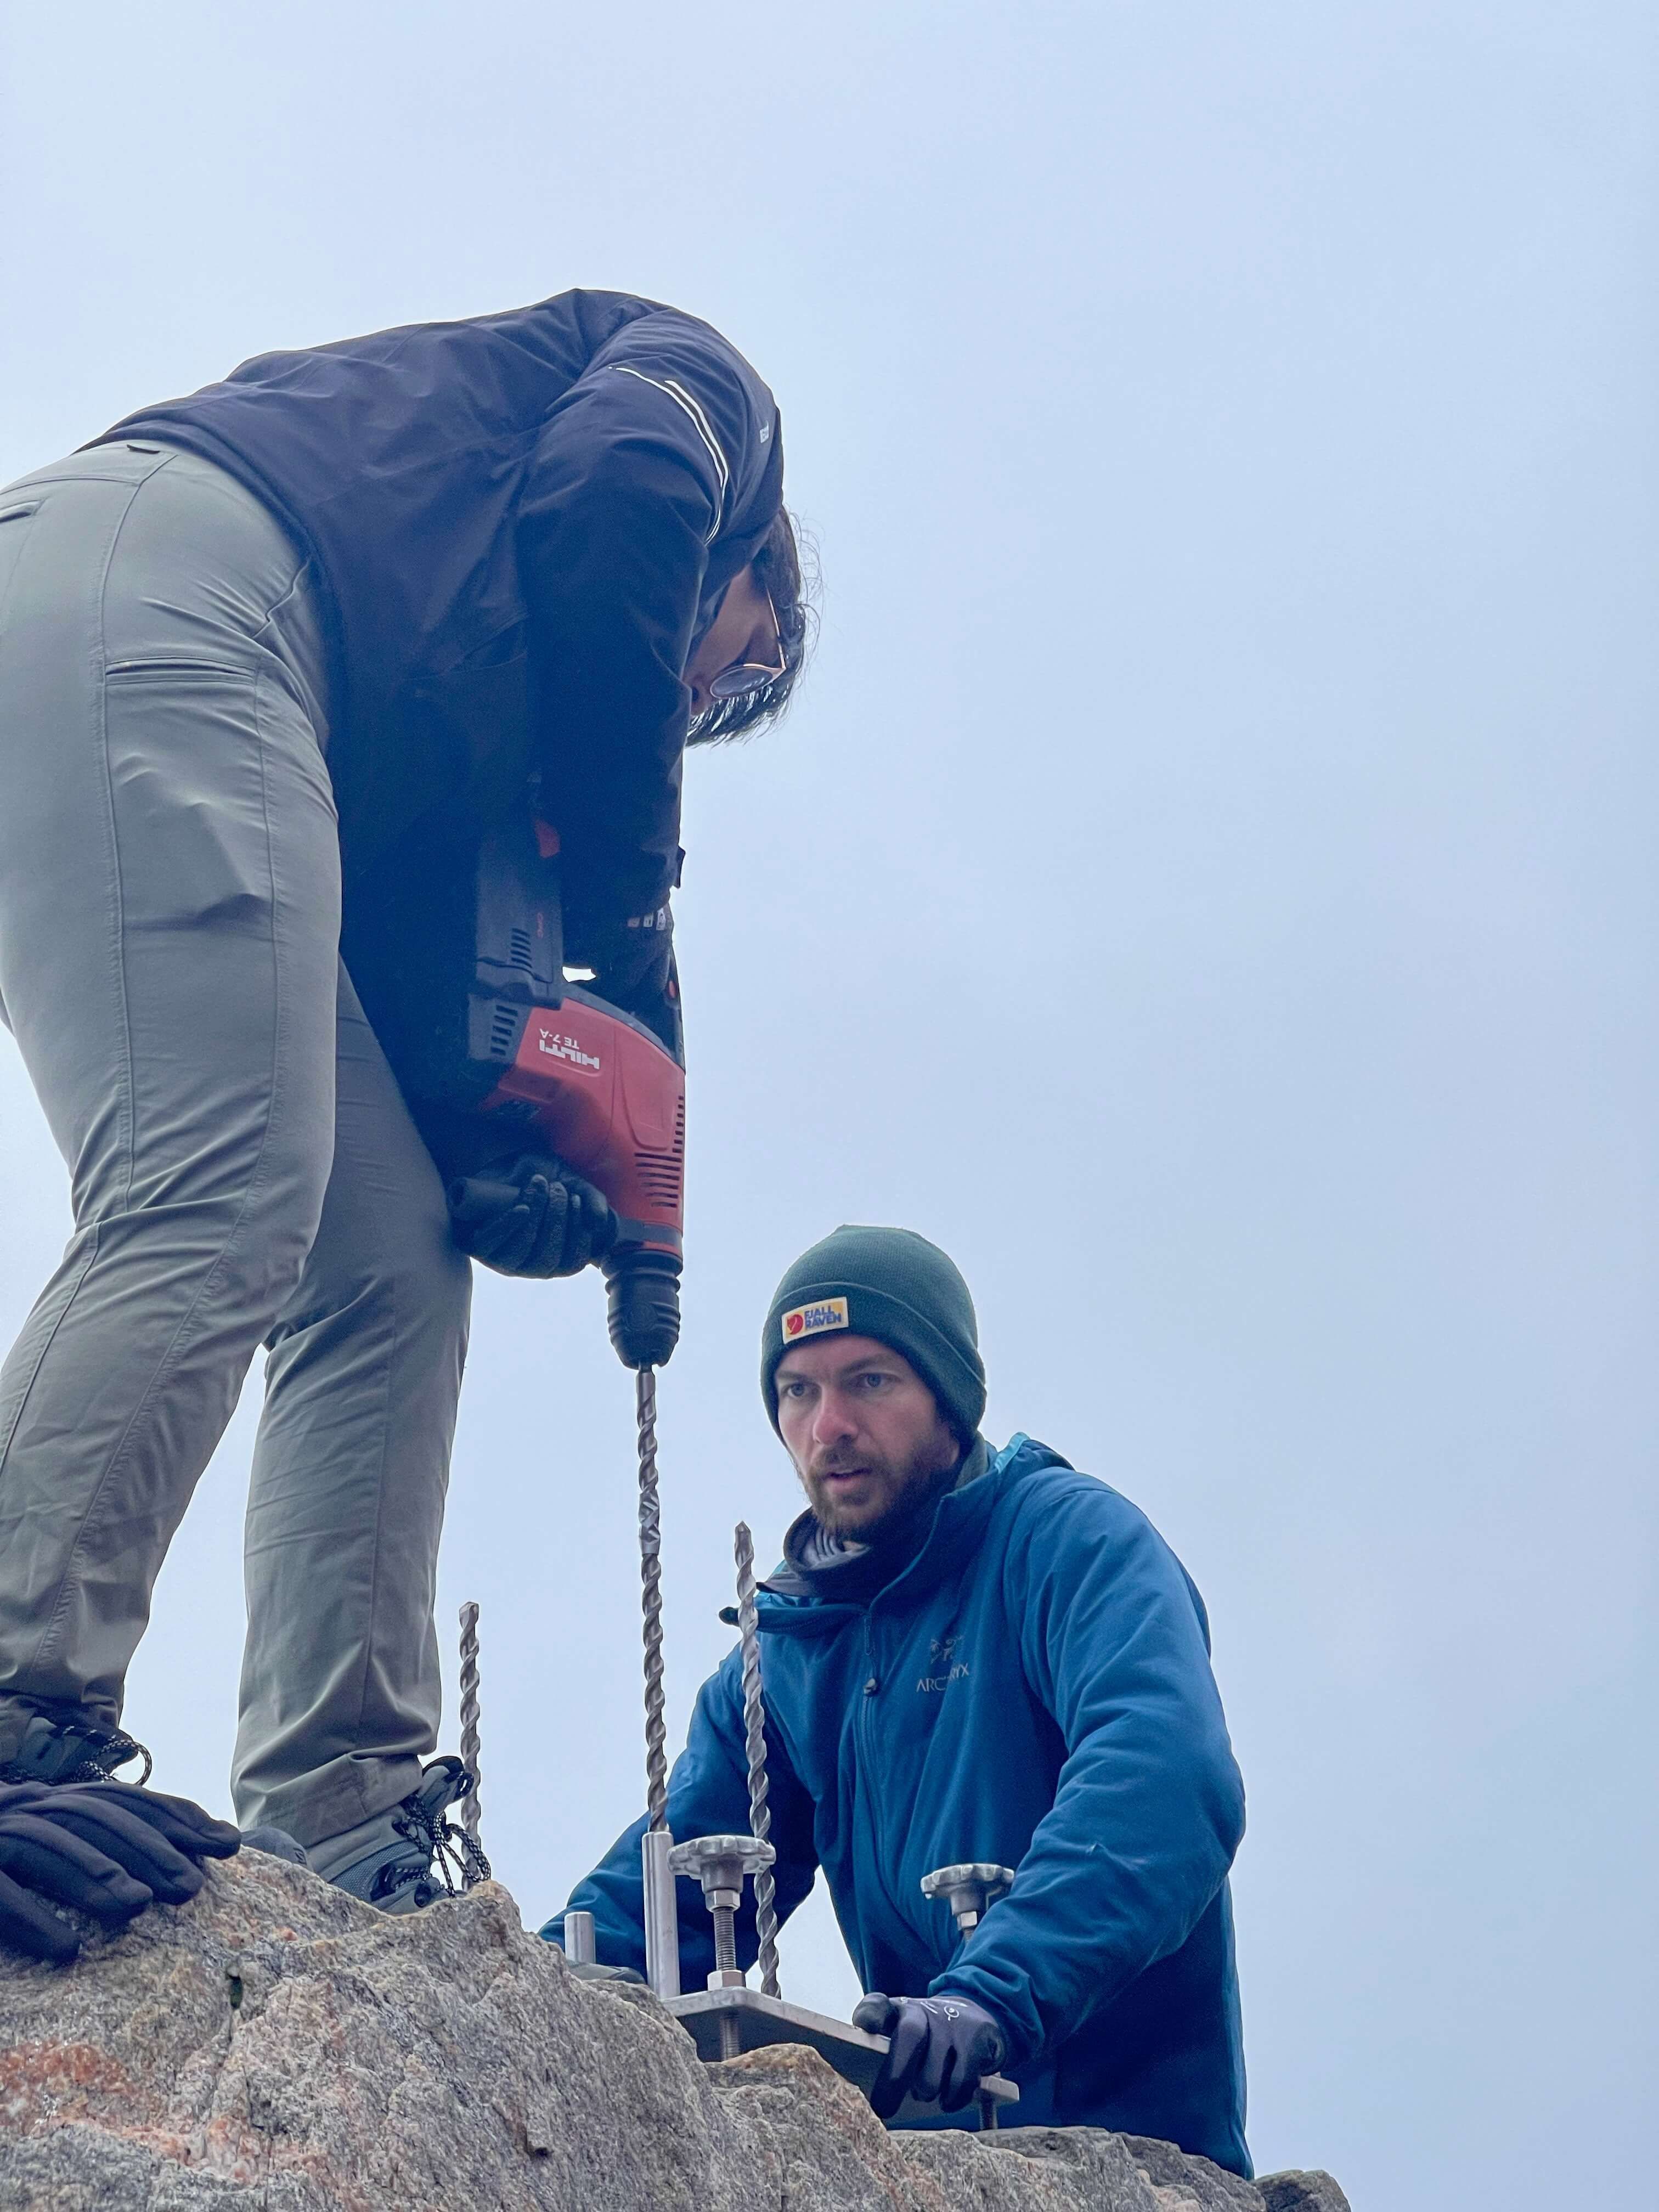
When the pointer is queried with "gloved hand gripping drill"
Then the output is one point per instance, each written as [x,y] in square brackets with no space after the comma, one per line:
[532,1215]
[555,1111]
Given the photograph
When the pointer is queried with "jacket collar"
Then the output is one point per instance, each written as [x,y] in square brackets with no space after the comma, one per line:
[839,1569]
[788,1605]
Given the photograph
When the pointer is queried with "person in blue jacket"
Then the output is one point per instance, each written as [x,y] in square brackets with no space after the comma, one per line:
[265,650]
[973,1655]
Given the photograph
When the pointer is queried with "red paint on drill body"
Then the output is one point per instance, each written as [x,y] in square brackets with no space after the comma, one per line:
[611,1101]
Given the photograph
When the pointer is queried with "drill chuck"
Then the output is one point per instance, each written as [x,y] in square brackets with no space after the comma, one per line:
[644,1305]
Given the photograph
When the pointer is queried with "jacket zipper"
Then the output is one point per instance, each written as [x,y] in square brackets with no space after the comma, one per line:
[867,1776]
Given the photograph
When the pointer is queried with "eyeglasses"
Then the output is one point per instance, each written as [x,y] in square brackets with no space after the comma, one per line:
[744,677]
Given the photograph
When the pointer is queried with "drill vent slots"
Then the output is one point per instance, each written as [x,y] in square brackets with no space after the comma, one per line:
[663,1172]
[503,1029]
[521,950]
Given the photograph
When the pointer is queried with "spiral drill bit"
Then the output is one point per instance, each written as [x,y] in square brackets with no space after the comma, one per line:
[656,1732]
[469,1805]
[754,1729]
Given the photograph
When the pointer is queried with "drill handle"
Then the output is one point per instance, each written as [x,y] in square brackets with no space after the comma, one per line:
[477,1203]
[476,1199]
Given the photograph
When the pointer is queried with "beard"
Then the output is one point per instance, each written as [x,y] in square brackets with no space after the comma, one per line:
[857,1496]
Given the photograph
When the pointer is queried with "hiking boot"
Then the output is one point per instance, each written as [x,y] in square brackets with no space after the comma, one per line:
[405,1857]
[67,1751]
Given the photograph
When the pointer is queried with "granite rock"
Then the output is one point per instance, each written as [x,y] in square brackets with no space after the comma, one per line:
[277,2044]
[1302,2192]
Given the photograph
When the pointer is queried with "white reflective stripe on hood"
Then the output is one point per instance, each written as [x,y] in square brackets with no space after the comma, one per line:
[688,405]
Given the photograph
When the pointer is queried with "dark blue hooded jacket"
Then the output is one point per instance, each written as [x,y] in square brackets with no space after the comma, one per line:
[1033,1689]
[519,523]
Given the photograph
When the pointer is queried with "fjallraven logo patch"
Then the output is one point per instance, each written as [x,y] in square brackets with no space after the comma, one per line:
[812,1321]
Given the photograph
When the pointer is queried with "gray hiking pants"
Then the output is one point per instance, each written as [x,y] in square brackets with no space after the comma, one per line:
[243,1167]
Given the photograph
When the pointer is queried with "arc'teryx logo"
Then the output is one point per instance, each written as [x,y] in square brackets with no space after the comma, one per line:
[945,1668]
[559,1046]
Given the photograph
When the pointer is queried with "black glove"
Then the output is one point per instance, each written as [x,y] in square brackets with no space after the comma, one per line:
[631,960]
[105,1848]
[939,2049]
[159,1840]
[532,1216]
[642,978]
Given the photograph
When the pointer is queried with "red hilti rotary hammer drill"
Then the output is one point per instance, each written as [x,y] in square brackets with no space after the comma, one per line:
[498,1053]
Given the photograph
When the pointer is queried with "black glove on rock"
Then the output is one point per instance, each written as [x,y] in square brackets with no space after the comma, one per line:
[939,2048]
[159,1840]
[532,1216]
[105,1848]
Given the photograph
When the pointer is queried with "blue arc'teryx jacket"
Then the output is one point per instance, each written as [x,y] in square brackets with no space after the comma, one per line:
[1033,1689]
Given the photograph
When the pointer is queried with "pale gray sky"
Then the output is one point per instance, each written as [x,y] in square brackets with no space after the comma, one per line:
[1208,884]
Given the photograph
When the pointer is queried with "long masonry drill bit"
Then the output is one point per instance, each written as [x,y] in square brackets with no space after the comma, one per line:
[662,1937]
[470,1807]
[754,1730]
[656,1733]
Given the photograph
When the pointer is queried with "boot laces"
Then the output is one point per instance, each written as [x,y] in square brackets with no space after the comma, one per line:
[77,1753]
[460,1862]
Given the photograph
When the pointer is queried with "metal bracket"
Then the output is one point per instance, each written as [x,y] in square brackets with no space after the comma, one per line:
[750,2020]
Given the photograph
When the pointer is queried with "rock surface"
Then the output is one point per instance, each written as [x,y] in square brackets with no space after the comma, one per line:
[277,2044]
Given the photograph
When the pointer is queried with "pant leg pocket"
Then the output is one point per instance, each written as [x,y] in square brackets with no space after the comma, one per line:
[16,515]
[188,796]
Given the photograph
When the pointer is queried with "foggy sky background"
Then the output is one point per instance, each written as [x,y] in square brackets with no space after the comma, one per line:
[1208,884]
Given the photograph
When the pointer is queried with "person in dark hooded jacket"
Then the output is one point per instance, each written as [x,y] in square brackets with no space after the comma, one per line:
[263,651]
[972,1654]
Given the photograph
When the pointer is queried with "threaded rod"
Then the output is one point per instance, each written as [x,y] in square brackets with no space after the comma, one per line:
[754,1730]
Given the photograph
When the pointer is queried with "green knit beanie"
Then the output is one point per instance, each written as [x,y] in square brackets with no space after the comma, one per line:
[893,1285]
